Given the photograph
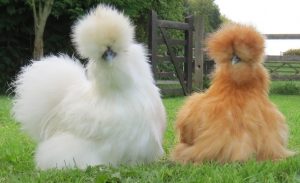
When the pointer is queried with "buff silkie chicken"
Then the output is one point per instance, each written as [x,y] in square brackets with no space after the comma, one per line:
[108,113]
[234,120]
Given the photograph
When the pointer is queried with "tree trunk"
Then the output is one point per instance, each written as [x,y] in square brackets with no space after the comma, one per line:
[40,14]
[38,50]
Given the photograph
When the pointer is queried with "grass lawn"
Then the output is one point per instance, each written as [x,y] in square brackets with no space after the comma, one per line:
[17,149]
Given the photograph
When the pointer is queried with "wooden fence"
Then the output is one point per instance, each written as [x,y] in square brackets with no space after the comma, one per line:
[164,50]
[283,67]
[191,66]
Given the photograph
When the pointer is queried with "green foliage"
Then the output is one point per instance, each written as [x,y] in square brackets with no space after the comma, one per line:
[292,52]
[225,19]
[137,10]
[16,23]
[206,82]
[286,88]
[210,12]
[17,33]
[15,40]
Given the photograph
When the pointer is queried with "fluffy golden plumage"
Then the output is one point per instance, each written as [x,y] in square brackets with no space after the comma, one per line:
[234,120]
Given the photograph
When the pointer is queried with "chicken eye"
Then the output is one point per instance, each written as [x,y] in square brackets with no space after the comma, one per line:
[235,59]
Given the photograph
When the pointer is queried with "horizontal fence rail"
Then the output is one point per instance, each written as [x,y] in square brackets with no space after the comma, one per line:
[283,58]
[173,25]
[173,42]
[282,36]
[166,58]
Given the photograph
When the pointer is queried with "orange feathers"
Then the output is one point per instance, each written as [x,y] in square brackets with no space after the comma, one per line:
[233,120]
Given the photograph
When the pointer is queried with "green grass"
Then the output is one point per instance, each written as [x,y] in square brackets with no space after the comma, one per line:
[285,87]
[16,157]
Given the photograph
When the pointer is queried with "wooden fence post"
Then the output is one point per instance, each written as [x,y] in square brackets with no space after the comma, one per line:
[199,53]
[153,42]
[188,65]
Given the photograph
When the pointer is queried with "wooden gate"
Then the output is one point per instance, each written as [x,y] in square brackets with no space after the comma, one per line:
[183,65]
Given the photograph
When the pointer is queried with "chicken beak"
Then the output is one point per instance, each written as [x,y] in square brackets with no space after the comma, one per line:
[235,59]
[109,54]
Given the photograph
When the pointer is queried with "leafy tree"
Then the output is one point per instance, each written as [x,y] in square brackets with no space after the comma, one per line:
[136,9]
[209,10]
[225,19]
[18,34]
[292,52]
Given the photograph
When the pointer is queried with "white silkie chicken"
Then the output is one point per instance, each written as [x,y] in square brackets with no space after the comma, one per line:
[107,113]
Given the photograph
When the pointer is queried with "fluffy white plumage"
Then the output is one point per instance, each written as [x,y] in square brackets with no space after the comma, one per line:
[107,113]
